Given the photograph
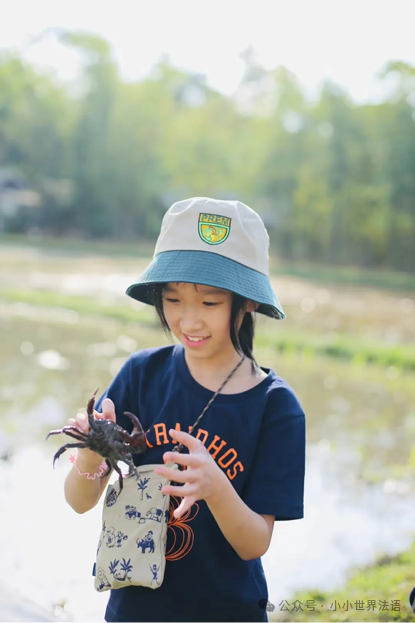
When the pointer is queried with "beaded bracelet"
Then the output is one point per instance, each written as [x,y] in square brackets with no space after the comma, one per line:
[103,467]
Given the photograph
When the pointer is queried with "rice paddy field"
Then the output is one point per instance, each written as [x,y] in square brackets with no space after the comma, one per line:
[346,347]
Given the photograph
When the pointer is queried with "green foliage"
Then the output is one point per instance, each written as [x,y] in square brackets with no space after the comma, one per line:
[385,584]
[333,180]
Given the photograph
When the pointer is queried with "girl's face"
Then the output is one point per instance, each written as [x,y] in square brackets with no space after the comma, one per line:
[200,312]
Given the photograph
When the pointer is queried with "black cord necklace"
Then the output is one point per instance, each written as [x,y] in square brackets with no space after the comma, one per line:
[180,447]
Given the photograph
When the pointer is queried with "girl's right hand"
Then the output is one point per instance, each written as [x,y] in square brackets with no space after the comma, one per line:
[85,456]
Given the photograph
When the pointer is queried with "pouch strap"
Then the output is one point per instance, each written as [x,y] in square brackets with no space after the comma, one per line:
[181,447]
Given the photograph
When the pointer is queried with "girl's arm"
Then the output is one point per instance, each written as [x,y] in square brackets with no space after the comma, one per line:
[248,532]
[81,492]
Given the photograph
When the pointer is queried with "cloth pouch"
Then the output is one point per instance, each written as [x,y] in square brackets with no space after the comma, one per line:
[132,544]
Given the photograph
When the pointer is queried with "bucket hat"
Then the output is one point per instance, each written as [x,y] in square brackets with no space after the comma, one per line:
[218,243]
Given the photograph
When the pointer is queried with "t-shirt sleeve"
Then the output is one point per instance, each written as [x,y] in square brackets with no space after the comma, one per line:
[275,484]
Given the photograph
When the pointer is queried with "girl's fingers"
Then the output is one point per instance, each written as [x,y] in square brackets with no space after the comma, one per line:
[191,460]
[176,475]
[183,491]
[73,422]
[100,416]
[193,443]
[82,422]
[81,419]
[108,409]
[185,506]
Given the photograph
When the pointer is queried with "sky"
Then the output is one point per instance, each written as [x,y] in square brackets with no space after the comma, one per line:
[346,41]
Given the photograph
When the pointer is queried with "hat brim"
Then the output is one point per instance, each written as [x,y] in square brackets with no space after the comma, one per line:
[208,269]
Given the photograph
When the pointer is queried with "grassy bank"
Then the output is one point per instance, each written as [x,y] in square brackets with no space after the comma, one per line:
[378,592]
[346,276]
[335,275]
[336,346]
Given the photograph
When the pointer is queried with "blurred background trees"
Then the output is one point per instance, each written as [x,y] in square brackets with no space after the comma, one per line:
[333,180]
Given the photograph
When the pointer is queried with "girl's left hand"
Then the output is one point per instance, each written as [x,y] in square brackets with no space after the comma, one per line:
[202,479]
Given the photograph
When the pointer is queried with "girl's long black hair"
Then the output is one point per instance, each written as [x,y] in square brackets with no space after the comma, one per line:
[243,341]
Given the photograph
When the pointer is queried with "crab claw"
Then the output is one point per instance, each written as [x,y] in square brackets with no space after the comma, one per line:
[91,403]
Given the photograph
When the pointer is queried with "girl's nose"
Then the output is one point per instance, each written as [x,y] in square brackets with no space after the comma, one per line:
[190,324]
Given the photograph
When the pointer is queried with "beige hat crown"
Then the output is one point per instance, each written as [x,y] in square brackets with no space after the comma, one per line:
[228,228]
[223,244]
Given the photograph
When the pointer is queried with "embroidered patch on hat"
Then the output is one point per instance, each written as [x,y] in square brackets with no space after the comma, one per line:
[214,229]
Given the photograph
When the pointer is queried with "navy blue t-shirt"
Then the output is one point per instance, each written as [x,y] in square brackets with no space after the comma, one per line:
[257,438]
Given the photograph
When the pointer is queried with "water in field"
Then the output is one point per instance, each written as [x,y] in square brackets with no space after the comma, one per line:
[359,502]
[360,485]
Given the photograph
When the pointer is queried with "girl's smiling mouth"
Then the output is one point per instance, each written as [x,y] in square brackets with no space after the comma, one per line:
[196,341]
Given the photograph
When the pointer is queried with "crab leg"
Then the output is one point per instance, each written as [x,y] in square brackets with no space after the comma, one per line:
[78,437]
[120,479]
[109,464]
[65,429]
[64,448]
[129,460]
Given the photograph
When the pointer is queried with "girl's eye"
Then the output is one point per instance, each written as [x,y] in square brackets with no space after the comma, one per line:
[177,301]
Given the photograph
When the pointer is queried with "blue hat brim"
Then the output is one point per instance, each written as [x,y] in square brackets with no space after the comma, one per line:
[208,269]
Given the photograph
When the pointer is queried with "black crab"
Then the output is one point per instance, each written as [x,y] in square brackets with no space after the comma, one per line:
[108,439]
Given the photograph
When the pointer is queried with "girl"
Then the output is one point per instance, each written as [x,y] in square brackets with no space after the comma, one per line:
[244,465]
